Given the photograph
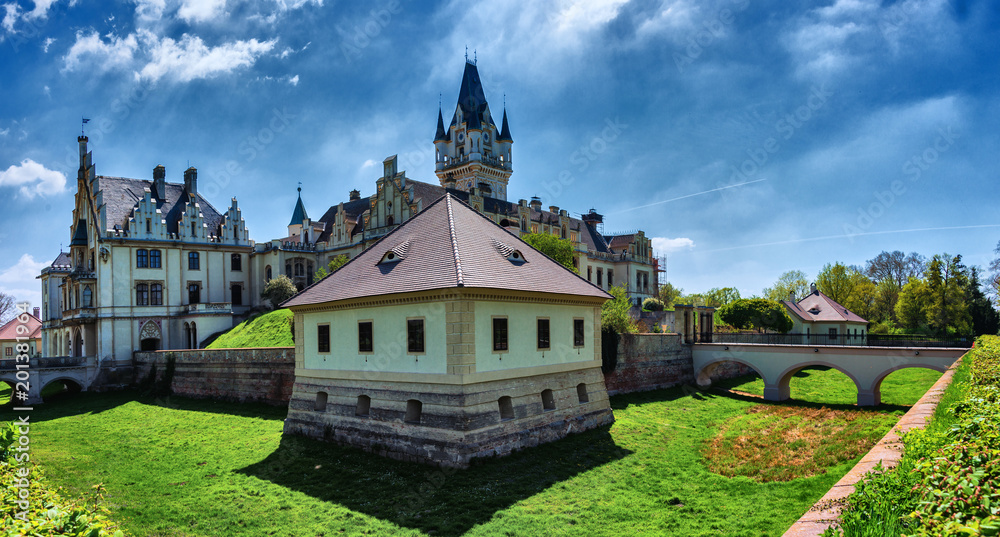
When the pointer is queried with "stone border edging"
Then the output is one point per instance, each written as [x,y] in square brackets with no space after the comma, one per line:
[888,451]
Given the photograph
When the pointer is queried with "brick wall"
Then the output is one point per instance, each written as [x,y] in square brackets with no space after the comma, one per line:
[261,375]
[655,361]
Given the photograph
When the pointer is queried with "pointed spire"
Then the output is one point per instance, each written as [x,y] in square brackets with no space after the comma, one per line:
[504,129]
[299,214]
[441,134]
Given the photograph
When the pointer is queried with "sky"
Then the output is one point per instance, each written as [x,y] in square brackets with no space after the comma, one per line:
[747,137]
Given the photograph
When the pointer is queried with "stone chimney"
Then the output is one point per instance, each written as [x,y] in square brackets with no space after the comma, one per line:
[191,181]
[536,203]
[812,288]
[791,296]
[159,182]
[355,195]
[37,312]
[554,209]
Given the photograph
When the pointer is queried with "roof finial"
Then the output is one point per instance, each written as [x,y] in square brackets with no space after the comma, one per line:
[475,57]
[439,101]
[505,100]
[466,53]
[300,188]
[83,121]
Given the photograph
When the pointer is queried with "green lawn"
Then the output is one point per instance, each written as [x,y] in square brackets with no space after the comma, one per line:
[271,329]
[185,467]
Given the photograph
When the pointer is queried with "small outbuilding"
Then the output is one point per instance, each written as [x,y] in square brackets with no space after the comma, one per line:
[448,339]
[822,320]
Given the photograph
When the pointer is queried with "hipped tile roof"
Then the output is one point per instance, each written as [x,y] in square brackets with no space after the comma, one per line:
[817,307]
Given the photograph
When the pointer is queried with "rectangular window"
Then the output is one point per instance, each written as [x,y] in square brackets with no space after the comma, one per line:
[323,338]
[833,333]
[194,293]
[155,259]
[543,334]
[237,294]
[499,333]
[156,294]
[590,274]
[194,262]
[141,258]
[600,277]
[578,340]
[611,277]
[9,351]
[415,335]
[365,337]
[142,294]
[237,262]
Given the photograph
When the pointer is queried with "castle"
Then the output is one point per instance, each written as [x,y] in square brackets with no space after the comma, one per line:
[154,265]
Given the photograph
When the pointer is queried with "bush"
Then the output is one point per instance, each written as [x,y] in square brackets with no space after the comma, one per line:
[278,290]
[759,313]
[652,304]
[615,313]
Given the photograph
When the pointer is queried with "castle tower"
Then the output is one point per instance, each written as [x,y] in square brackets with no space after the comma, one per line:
[300,219]
[472,152]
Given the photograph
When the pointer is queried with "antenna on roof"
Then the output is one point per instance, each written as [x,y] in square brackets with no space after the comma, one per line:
[466,53]
[300,186]
[475,57]
[439,100]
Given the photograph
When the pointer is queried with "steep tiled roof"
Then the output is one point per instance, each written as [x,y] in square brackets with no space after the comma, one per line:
[441,134]
[122,194]
[620,242]
[505,130]
[817,307]
[62,260]
[472,100]
[9,330]
[448,245]
[299,213]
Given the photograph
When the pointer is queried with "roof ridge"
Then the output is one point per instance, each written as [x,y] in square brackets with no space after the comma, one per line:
[454,241]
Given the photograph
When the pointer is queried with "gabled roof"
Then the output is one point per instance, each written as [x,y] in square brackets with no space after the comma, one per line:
[9,330]
[817,307]
[450,245]
[299,214]
[121,195]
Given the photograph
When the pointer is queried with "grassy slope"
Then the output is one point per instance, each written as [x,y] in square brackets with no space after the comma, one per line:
[268,330]
[183,467]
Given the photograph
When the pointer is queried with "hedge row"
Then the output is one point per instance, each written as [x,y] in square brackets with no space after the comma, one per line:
[948,482]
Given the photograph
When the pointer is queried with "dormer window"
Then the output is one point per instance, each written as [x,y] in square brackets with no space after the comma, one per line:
[396,254]
[516,257]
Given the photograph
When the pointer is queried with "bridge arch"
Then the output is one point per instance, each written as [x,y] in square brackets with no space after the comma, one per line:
[72,385]
[785,377]
[876,385]
[703,377]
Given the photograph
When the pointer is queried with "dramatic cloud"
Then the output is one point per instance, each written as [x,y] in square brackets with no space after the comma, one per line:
[91,51]
[19,280]
[33,179]
[665,245]
[201,10]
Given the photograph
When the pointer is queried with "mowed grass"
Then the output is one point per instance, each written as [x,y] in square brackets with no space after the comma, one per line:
[271,329]
[184,467]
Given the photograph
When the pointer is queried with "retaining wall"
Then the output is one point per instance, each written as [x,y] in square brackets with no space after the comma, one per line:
[263,375]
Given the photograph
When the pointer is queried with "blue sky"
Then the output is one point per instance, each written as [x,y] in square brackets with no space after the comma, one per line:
[748,137]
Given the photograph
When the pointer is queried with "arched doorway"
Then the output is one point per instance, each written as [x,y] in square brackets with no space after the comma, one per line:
[149,337]
[78,344]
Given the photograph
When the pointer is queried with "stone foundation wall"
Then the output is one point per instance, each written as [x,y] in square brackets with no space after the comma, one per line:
[656,361]
[458,422]
[263,375]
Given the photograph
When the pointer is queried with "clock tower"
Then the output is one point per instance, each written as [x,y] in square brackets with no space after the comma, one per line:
[472,152]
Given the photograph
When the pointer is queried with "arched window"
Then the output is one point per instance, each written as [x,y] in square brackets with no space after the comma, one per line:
[88,297]
[506,408]
[267,273]
[320,405]
[364,406]
[389,220]
[581,393]
[548,400]
[194,336]
[413,410]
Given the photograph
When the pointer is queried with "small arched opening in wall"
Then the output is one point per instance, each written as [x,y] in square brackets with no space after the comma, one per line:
[60,388]
[548,400]
[581,393]
[364,406]
[414,409]
[506,408]
[320,404]
[729,373]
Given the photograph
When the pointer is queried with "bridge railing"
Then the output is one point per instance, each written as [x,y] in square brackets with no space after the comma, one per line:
[867,340]
[42,363]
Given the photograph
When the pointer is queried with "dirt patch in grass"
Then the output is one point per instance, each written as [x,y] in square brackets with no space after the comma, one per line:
[781,443]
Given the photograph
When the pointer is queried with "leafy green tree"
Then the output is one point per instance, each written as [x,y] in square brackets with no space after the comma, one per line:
[791,282]
[838,281]
[615,312]
[331,267]
[721,296]
[668,294]
[994,282]
[985,319]
[947,280]
[864,298]
[759,313]
[652,304]
[890,271]
[561,250]
[278,290]
[911,308]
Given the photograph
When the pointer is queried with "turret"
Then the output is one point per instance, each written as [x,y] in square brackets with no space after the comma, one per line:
[159,182]
[191,182]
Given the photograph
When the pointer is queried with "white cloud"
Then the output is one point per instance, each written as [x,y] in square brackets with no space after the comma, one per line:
[294,80]
[47,91]
[107,55]
[662,245]
[47,43]
[19,280]
[41,10]
[33,179]
[150,10]
[368,164]
[5,132]
[13,12]
[201,10]
[190,58]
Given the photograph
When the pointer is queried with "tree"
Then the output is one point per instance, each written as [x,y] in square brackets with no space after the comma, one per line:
[985,319]
[7,308]
[790,283]
[759,313]
[947,310]
[278,290]
[864,299]
[911,308]
[560,250]
[721,296]
[669,294]
[838,281]
[615,312]
[331,267]
[652,304]
[995,275]
[895,267]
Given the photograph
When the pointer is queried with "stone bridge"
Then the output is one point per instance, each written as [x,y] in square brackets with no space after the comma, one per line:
[79,373]
[776,364]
